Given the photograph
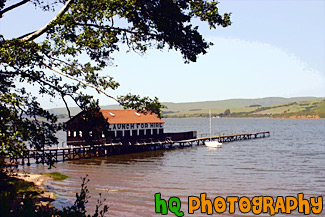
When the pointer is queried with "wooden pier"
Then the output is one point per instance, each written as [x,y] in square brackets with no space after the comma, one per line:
[83,152]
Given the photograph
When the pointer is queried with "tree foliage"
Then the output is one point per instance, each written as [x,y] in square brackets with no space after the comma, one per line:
[96,29]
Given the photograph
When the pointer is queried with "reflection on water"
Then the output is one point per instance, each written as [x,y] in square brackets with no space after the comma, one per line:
[291,161]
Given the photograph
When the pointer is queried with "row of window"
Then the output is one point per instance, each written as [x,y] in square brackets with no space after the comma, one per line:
[79,133]
[120,133]
[129,133]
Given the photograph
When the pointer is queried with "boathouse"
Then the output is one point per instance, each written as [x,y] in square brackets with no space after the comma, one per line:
[128,127]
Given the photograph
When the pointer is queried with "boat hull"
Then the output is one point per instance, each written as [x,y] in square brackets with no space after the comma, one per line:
[213,144]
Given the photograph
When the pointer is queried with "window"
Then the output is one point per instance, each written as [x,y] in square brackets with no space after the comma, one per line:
[103,135]
[80,133]
[90,133]
[69,133]
[74,133]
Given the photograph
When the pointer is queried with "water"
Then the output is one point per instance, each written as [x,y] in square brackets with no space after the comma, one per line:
[289,162]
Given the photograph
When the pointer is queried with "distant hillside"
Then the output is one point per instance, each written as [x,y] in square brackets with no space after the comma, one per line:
[265,107]
[262,107]
[232,103]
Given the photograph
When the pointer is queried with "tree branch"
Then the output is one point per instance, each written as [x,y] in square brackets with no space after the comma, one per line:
[115,28]
[13,7]
[59,60]
[66,106]
[58,90]
[42,30]
[81,81]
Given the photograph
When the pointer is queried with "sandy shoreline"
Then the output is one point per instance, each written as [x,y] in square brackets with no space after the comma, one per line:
[37,179]
[45,198]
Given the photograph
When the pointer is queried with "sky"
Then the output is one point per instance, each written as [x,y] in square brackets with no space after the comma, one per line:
[272,49]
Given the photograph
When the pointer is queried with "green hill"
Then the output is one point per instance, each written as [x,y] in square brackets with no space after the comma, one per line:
[262,107]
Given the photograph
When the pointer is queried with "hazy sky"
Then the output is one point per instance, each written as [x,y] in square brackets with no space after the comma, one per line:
[273,48]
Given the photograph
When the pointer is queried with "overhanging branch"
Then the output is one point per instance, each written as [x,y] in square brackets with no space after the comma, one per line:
[42,30]
[13,7]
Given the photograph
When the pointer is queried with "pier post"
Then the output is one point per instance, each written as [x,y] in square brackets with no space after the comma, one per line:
[28,156]
[23,159]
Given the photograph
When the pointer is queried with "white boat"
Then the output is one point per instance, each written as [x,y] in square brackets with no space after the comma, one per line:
[210,143]
[213,144]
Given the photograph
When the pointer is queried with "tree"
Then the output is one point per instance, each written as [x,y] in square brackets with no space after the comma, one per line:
[50,55]
[227,112]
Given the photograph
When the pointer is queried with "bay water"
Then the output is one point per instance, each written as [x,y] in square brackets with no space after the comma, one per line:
[289,162]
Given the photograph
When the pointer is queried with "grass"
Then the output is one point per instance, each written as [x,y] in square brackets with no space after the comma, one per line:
[299,109]
[56,176]
[284,109]
[287,109]
[205,112]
